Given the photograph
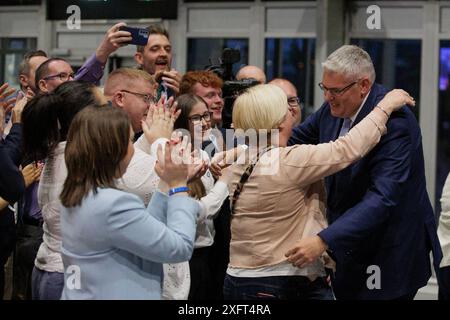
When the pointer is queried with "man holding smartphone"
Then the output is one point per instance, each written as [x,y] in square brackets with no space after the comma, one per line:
[156,59]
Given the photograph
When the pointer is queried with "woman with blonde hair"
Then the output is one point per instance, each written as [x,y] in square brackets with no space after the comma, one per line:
[277,195]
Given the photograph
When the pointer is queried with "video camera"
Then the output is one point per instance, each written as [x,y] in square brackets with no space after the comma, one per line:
[231,87]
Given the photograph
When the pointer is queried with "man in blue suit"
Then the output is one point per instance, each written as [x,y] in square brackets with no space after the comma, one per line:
[381,223]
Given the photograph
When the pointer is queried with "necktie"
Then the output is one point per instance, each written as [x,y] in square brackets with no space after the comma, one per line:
[161,91]
[209,147]
[345,127]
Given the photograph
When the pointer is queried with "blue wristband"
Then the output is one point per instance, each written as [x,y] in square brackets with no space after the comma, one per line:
[178,190]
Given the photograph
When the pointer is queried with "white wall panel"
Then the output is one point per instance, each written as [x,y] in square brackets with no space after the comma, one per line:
[290,20]
[19,23]
[79,40]
[218,20]
[445,19]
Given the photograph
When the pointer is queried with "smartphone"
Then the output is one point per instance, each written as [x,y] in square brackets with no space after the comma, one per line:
[139,36]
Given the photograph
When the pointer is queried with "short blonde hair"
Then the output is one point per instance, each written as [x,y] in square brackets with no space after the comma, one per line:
[261,107]
[124,77]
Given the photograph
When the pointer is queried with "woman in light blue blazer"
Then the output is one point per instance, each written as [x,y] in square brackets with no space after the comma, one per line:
[113,247]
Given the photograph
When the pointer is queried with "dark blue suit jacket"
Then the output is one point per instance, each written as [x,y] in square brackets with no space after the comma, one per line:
[378,208]
[12,185]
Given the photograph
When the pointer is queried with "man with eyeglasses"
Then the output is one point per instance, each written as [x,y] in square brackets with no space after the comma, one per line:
[381,223]
[293,100]
[51,73]
[134,91]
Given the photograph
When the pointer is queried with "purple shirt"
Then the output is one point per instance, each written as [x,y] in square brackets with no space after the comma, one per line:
[31,206]
[91,71]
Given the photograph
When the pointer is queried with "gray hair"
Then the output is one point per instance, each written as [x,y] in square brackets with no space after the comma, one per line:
[351,61]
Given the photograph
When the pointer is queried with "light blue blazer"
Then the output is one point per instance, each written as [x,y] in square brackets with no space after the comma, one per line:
[113,248]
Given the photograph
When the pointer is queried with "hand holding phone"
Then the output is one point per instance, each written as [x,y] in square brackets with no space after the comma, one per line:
[139,36]
[113,40]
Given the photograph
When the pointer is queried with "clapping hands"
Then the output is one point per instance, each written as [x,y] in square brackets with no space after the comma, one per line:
[172,164]
[160,120]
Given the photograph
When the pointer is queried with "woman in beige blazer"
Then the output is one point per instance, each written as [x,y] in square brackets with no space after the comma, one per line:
[283,199]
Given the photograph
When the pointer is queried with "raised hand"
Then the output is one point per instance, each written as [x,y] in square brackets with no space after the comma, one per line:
[197,168]
[160,121]
[18,108]
[162,103]
[170,166]
[6,104]
[217,164]
[181,152]
[113,40]
[224,159]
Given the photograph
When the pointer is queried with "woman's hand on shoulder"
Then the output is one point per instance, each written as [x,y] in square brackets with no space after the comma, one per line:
[395,99]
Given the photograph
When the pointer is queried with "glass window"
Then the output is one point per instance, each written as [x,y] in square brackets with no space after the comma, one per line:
[11,71]
[397,64]
[17,44]
[443,134]
[11,54]
[293,59]
[203,52]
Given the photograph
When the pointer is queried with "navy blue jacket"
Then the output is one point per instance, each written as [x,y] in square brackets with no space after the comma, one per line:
[378,208]
[12,185]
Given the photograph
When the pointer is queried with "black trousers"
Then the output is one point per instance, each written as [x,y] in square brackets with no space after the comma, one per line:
[220,250]
[201,276]
[7,242]
[444,283]
[29,239]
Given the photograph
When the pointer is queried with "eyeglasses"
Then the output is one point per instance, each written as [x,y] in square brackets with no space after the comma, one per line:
[148,98]
[293,101]
[336,91]
[197,118]
[63,76]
